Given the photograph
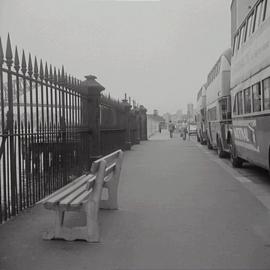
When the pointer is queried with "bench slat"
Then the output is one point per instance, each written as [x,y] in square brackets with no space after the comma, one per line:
[59,196]
[109,159]
[89,184]
[81,199]
[63,188]
[110,169]
[71,197]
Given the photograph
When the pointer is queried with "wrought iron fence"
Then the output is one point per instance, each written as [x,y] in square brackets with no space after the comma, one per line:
[52,127]
[43,142]
[113,125]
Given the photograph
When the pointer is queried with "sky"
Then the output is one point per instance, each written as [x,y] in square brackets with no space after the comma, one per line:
[158,52]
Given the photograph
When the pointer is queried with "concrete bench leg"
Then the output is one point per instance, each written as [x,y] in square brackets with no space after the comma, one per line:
[90,232]
[58,225]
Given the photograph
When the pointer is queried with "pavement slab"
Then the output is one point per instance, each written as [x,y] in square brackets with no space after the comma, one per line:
[178,210]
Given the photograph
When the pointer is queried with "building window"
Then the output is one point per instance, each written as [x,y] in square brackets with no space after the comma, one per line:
[247,100]
[239,103]
[257,97]
[266,94]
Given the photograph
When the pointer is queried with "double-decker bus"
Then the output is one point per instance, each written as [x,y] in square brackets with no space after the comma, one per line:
[250,88]
[201,116]
[218,105]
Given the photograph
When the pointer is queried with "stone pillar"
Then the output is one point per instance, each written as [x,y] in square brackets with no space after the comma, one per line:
[127,124]
[91,89]
[143,118]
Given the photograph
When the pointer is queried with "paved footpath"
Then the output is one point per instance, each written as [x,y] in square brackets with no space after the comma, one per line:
[179,210]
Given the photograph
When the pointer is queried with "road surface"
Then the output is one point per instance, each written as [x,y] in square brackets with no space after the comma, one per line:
[180,208]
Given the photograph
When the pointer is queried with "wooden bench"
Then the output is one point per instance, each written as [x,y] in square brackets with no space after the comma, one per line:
[84,195]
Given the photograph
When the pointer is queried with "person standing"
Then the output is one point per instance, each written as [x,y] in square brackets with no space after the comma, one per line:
[171,128]
[185,131]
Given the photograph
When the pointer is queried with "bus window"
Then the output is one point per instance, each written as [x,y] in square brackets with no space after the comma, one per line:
[247,100]
[236,42]
[258,16]
[240,103]
[212,114]
[266,94]
[239,39]
[223,108]
[235,105]
[244,32]
[267,12]
[250,23]
[257,97]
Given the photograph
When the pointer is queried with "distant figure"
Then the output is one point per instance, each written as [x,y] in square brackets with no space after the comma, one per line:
[184,130]
[159,127]
[171,128]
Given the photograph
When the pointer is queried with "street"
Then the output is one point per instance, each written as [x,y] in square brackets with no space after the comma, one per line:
[180,208]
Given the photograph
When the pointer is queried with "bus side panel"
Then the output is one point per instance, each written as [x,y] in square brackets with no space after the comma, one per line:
[251,140]
[225,128]
[213,131]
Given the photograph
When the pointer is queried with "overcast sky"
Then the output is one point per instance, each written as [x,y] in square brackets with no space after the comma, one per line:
[159,52]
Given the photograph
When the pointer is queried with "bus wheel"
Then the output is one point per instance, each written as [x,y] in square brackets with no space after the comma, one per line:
[235,160]
[221,153]
[202,141]
[269,162]
[209,146]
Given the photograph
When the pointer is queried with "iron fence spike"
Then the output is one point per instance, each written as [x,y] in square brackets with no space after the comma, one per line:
[46,72]
[59,76]
[24,67]
[1,53]
[16,60]
[35,68]
[54,75]
[62,74]
[51,74]
[30,66]
[9,55]
[41,72]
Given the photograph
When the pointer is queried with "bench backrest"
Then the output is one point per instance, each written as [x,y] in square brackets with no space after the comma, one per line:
[78,190]
[113,162]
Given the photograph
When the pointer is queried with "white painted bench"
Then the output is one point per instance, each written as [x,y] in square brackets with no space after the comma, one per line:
[84,195]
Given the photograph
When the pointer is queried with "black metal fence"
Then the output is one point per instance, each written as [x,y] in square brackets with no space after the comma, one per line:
[46,134]
[41,142]
[113,125]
